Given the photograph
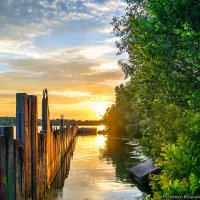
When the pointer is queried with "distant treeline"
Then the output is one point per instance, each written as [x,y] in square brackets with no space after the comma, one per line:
[7,121]
[11,121]
[56,122]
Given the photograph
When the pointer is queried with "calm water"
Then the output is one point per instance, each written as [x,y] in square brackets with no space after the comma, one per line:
[97,170]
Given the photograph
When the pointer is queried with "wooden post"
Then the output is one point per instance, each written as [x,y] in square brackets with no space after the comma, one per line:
[18,170]
[34,144]
[62,122]
[3,162]
[23,133]
[45,110]
[10,163]
[46,127]
[21,116]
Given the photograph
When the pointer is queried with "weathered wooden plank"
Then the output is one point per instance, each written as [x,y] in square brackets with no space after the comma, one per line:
[21,116]
[10,163]
[34,144]
[18,170]
[22,133]
[3,165]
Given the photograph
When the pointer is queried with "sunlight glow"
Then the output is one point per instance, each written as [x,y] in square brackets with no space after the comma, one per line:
[106,67]
[100,109]
[71,93]
[101,128]
[101,141]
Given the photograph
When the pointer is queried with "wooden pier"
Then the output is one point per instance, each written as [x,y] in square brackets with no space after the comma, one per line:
[29,163]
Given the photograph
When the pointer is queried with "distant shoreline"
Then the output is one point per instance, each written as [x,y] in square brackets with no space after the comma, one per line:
[10,121]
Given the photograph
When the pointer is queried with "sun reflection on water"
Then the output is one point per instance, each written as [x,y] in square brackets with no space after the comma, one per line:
[101,141]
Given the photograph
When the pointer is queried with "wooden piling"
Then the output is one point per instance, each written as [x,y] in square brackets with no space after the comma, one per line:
[23,133]
[18,170]
[10,163]
[34,144]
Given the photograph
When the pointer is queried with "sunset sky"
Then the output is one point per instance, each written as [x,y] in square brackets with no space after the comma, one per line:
[65,46]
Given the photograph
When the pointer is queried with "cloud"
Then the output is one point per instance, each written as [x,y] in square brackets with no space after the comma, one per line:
[83,52]
[73,68]
[23,23]
[105,29]
[19,47]
[111,40]
[108,6]
[66,62]
[61,45]
[107,66]
[100,77]
[70,93]
[28,19]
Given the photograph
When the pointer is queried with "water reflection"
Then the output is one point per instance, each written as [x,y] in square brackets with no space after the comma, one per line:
[123,155]
[98,171]
[58,182]
[101,141]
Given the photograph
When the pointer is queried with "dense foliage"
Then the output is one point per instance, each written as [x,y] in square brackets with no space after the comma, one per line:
[120,118]
[162,39]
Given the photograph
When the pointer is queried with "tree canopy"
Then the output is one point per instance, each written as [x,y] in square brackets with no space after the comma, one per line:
[162,39]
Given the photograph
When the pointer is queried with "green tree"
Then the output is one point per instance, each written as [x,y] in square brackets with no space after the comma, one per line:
[120,117]
[162,39]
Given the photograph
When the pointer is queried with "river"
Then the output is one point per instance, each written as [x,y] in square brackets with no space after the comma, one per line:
[97,169]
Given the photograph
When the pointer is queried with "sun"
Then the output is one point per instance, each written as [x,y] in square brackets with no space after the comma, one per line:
[100,109]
